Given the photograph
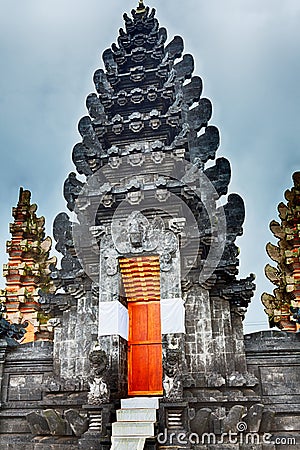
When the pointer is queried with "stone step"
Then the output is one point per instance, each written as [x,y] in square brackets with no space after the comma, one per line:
[133,429]
[140,402]
[127,443]
[136,415]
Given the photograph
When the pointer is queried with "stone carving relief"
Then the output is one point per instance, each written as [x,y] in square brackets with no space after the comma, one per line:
[172,379]
[255,419]
[117,124]
[89,137]
[99,387]
[137,235]
[72,189]
[136,122]
[101,83]
[50,422]
[111,261]
[137,95]
[137,74]
[155,121]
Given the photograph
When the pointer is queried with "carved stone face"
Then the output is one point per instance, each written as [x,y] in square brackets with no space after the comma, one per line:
[124,40]
[94,106]
[98,360]
[152,93]
[139,40]
[98,80]
[158,53]
[111,266]
[136,159]
[137,74]
[117,126]
[107,200]
[155,121]
[168,94]
[173,120]
[137,95]
[138,54]
[122,98]
[120,57]
[136,225]
[163,71]
[134,198]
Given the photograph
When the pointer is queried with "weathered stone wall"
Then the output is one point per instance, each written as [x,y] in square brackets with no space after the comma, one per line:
[37,413]
[24,371]
[274,358]
[214,338]
[74,337]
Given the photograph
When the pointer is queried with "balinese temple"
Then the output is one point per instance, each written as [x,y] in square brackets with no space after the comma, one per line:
[135,339]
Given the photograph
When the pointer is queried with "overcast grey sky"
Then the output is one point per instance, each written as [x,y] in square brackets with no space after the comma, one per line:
[247,53]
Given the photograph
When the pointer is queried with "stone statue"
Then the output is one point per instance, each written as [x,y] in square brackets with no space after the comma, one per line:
[99,387]
[172,381]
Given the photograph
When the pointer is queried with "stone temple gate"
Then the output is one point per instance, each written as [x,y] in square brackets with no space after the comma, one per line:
[136,340]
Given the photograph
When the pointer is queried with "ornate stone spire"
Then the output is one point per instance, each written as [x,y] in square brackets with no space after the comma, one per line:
[27,270]
[283,307]
[149,102]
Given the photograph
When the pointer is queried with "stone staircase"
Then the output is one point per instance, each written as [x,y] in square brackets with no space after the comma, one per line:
[135,423]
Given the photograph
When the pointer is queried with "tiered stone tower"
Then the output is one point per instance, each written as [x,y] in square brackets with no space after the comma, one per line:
[28,269]
[283,307]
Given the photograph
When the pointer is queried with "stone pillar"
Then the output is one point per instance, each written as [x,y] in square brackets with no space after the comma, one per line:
[116,349]
[222,349]
[198,334]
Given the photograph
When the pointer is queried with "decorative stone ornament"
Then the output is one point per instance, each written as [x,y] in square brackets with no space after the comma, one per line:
[99,388]
[172,381]
[138,235]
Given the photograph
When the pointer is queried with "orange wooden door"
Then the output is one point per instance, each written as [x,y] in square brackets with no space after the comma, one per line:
[141,279]
[144,348]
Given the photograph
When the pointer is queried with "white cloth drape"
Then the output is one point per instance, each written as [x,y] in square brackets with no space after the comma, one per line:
[172,315]
[113,318]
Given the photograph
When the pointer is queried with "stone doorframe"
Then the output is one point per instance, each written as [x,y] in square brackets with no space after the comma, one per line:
[137,236]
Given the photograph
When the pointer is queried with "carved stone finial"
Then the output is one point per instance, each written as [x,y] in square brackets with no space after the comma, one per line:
[141,9]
